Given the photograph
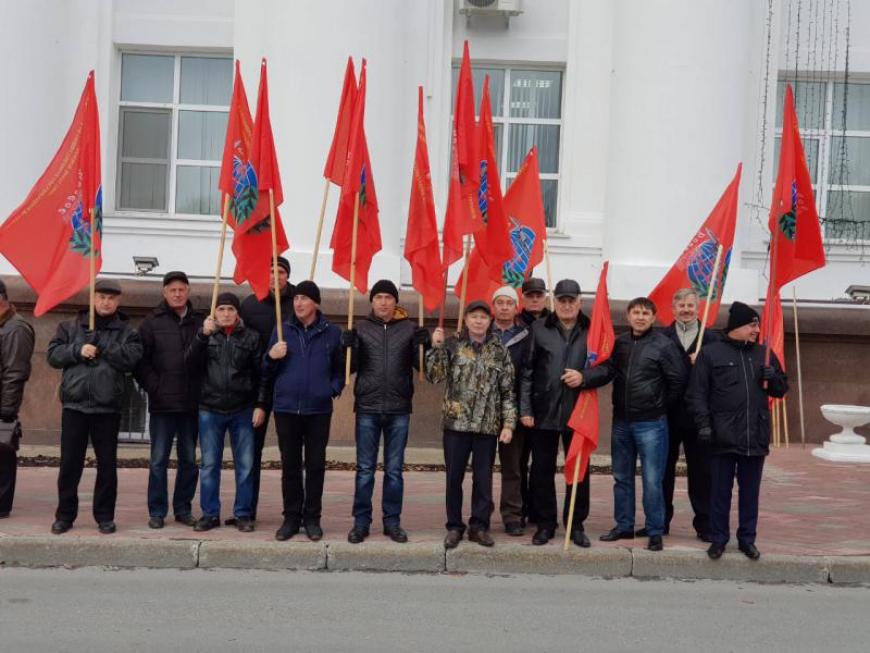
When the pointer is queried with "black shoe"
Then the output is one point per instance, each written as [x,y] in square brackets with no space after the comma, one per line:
[396,533]
[580,539]
[187,520]
[60,526]
[750,551]
[288,529]
[655,543]
[514,528]
[357,534]
[106,527]
[452,539]
[703,537]
[231,521]
[4,515]
[615,534]
[482,537]
[206,524]
[715,551]
[642,532]
[156,522]
[245,524]
[542,536]
[314,532]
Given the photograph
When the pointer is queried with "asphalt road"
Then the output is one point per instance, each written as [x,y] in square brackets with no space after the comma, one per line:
[97,610]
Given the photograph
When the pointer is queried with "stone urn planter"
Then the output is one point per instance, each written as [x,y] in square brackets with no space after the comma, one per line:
[845,446]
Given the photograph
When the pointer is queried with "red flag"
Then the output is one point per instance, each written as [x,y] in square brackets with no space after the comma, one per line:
[358,180]
[336,160]
[694,268]
[524,206]
[796,237]
[584,417]
[421,237]
[49,237]
[772,327]
[264,159]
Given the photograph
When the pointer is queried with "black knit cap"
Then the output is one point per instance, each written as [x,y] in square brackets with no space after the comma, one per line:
[284,263]
[384,286]
[228,299]
[308,289]
[740,315]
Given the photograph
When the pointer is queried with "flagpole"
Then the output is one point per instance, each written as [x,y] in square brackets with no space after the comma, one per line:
[92,256]
[464,290]
[220,258]
[352,279]
[775,423]
[319,232]
[549,274]
[420,322]
[714,282]
[797,348]
[576,477]
[785,422]
[273,218]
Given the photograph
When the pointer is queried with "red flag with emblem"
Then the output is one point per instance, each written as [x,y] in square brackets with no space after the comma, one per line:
[49,237]
[336,160]
[584,417]
[527,221]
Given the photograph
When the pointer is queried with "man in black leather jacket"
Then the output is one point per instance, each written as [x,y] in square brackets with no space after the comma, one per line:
[385,353]
[649,376]
[94,365]
[728,397]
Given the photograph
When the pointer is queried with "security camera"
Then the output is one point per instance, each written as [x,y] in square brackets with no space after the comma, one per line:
[859,294]
[144,264]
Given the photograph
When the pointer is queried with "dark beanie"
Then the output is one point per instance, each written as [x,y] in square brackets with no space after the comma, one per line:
[284,263]
[384,286]
[740,315]
[228,299]
[308,289]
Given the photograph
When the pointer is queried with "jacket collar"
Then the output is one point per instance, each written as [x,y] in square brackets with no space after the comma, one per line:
[8,315]
[317,326]
[117,322]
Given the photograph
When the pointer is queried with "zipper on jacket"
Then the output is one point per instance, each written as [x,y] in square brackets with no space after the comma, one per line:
[746,386]
[386,376]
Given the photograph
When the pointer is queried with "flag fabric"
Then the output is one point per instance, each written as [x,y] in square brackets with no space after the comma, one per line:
[772,326]
[584,417]
[358,181]
[527,222]
[421,236]
[264,159]
[694,268]
[336,160]
[796,237]
[49,237]
[249,208]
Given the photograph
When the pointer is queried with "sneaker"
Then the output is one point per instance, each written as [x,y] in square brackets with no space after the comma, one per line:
[245,524]
[206,523]
[396,533]
[357,534]
[60,526]
[287,530]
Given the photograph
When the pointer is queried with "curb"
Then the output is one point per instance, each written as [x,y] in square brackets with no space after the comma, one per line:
[428,557]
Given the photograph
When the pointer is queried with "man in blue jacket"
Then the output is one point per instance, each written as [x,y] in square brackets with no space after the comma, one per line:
[301,376]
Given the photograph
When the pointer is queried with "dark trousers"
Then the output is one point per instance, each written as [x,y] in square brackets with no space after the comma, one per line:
[164,428]
[529,512]
[76,429]
[8,470]
[259,442]
[514,477]
[298,434]
[748,470]
[458,447]
[542,481]
[698,472]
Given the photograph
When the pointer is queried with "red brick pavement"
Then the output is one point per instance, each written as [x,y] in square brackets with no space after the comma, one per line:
[808,506]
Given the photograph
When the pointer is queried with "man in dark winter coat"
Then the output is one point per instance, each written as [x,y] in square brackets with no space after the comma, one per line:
[649,377]
[385,348]
[259,315]
[534,300]
[16,348]
[227,355]
[94,365]
[302,374]
[551,382]
[173,395]
[728,397]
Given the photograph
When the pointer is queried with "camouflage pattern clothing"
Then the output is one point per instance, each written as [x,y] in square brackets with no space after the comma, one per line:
[480,384]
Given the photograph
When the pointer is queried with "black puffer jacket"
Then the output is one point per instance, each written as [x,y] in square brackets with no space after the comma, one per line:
[96,385]
[171,386]
[648,374]
[543,395]
[727,394]
[384,359]
[230,368]
[529,319]
[678,413]
[260,315]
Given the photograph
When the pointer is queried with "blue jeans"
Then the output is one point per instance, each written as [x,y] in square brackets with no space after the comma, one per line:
[212,430]
[368,437]
[649,439]
[164,427]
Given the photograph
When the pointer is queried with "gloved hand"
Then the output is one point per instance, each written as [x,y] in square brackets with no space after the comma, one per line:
[422,337]
[705,435]
[767,372]
[349,338]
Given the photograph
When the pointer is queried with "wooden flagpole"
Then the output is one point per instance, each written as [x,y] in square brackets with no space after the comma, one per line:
[352,281]
[714,282]
[575,478]
[273,217]
[785,422]
[464,290]
[92,262]
[316,252]
[775,423]
[549,275]
[220,257]
[797,348]
[420,323]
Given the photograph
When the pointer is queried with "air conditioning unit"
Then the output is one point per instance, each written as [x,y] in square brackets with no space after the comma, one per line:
[506,8]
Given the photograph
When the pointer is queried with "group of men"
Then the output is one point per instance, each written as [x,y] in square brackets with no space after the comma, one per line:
[513,377]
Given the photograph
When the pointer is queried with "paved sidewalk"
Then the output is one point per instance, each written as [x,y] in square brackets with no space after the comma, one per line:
[814,515]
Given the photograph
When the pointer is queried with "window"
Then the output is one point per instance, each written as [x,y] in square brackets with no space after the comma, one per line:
[526,111]
[173,118]
[838,154]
